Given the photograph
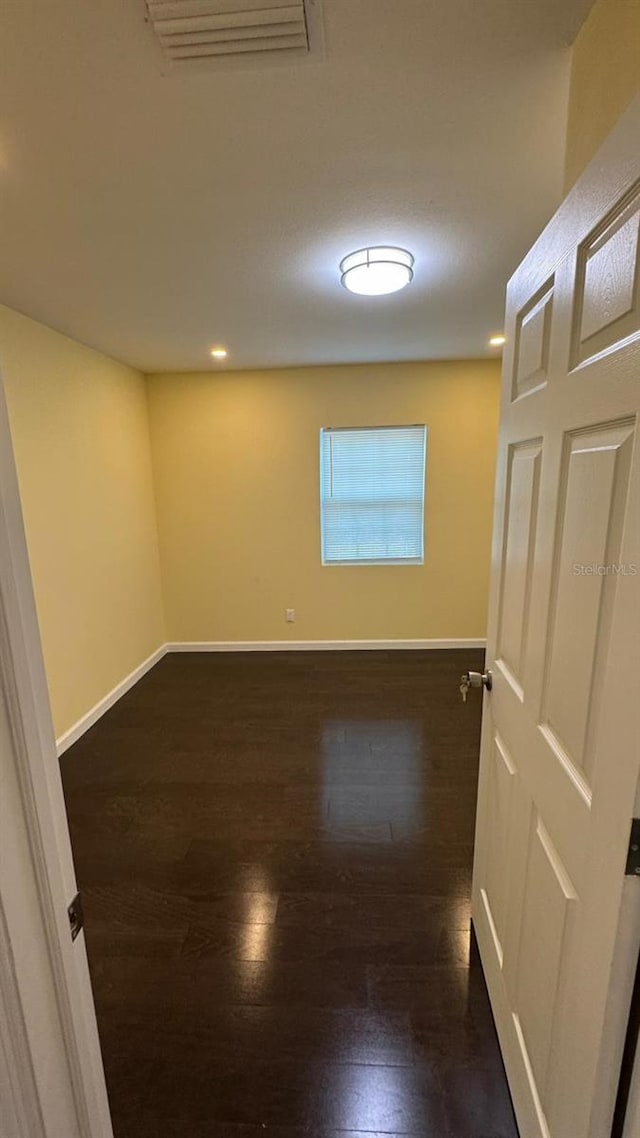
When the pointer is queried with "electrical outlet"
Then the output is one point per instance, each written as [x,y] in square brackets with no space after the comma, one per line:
[289,615]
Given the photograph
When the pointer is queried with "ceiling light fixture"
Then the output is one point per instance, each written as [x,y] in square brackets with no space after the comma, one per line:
[376,271]
[219,353]
[498,341]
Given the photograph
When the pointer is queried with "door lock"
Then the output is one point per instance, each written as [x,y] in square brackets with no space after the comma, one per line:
[475,680]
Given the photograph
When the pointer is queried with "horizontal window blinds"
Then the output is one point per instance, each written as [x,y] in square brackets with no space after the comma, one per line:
[372,494]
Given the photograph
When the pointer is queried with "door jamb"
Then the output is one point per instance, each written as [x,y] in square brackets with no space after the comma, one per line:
[29,716]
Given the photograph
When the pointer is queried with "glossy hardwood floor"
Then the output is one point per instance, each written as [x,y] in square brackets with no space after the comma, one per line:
[275,854]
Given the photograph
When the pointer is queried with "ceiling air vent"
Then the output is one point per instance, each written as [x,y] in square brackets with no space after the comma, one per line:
[192,31]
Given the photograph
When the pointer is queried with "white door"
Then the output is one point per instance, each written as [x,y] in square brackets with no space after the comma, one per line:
[560,754]
[51,1078]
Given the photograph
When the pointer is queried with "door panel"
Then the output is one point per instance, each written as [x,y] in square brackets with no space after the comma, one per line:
[548,897]
[594,485]
[606,296]
[502,779]
[560,761]
[523,481]
[532,340]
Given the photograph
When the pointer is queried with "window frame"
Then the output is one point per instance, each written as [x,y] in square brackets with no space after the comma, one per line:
[408,562]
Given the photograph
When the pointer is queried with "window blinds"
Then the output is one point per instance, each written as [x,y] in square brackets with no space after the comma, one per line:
[372,494]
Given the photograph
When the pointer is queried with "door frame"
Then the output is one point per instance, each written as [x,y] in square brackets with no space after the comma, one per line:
[35,762]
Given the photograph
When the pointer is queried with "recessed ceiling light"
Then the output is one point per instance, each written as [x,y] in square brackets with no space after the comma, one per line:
[219,353]
[498,341]
[377,271]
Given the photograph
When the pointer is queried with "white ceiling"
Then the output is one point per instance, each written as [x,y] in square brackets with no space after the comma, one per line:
[152,215]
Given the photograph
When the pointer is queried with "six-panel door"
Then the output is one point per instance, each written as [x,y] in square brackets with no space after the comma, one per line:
[560,762]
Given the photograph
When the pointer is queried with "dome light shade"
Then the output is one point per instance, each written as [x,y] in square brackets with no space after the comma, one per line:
[376,271]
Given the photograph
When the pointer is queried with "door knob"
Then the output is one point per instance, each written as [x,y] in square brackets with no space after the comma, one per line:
[475,680]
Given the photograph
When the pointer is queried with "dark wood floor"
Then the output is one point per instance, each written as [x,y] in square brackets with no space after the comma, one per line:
[275,853]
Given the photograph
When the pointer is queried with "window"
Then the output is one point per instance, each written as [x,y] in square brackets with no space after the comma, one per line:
[372,495]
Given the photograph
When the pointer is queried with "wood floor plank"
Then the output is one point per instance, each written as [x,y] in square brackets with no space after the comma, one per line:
[275,856]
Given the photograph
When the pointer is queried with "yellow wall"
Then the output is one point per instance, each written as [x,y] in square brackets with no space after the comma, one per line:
[236,475]
[605,75]
[80,431]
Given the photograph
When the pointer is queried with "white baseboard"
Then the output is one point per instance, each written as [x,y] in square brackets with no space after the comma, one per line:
[73,734]
[316,645]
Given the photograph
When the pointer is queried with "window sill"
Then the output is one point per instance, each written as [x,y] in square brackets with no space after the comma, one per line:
[351,564]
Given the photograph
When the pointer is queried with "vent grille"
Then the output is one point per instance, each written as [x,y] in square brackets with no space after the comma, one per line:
[193,30]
